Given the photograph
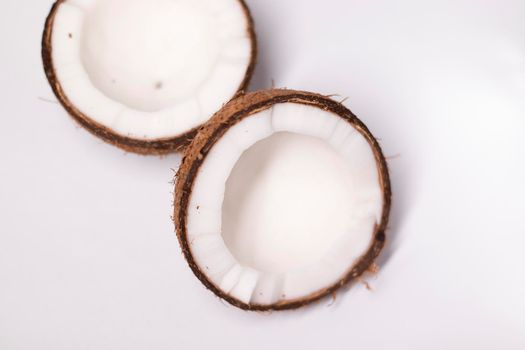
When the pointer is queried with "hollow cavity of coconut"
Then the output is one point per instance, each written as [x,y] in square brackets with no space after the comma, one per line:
[283,197]
[145,74]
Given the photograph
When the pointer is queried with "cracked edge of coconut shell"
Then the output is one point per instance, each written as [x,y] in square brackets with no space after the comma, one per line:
[236,110]
[161,146]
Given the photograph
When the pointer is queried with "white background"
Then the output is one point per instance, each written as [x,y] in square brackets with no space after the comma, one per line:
[88,257]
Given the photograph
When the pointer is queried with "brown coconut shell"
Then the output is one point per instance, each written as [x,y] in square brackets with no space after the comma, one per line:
[236,110]
[146,147]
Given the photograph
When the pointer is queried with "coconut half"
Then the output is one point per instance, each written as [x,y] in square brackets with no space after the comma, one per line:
[145,74]
[283,197]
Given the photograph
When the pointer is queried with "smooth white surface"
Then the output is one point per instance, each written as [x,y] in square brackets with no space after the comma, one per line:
[284,204]
[150,69]
[290,198]
[88,258]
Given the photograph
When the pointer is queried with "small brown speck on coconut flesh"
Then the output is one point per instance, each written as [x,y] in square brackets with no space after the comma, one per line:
[144,75]
[283,197]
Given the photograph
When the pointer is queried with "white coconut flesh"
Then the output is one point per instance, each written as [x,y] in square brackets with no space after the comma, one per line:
[284,204]
[150,69]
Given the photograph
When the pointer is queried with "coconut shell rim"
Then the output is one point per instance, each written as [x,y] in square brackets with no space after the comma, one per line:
[159,146]
[232,113]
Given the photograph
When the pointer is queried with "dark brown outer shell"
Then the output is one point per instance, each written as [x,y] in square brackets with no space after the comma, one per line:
[236,110]
[145,147]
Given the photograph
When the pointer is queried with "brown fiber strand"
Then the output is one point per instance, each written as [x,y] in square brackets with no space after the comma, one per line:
[145,147]
[232,113]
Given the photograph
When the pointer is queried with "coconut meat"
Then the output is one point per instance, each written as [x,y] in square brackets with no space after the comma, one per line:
[150,69]
[284,204]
